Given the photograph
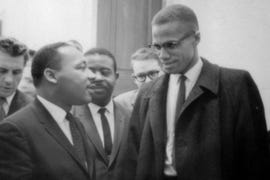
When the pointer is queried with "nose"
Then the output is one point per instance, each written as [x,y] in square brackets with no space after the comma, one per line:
[90,74]
[9,77]
[163,54]
[147,79]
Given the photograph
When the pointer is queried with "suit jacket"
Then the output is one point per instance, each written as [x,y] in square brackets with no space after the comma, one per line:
[112,169]
[127,99]
[220,132]
[34,147]
[19,101]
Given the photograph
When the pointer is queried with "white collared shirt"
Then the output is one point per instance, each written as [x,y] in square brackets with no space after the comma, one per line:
[6,105]
[59,115]
[173,90]
[109,113]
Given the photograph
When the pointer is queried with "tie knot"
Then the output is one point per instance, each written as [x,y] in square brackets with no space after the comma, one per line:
[69,116]
[102,110]
[182,77]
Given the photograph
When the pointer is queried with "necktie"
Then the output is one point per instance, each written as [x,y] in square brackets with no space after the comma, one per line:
[180,101]
[2,111]
[181,94]
[76,137]
[106,131]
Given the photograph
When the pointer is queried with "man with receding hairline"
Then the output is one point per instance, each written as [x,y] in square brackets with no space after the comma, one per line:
[44,141]
[145,66]
[199,120]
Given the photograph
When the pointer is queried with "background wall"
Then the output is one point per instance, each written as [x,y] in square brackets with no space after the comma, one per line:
[38,22]
[236,34]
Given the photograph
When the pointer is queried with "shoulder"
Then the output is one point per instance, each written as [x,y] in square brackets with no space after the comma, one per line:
[125,95]
[23,117]
[22,98]
[120,108]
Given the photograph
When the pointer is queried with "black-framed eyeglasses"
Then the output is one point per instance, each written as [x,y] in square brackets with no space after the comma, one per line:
[141,77]
[171,45]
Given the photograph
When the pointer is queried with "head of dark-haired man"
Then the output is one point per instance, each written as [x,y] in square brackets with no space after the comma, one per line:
[103,64]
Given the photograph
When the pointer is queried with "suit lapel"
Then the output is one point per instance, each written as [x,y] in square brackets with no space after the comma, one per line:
[119,119]
[17,102]
[85,116]
[54,130]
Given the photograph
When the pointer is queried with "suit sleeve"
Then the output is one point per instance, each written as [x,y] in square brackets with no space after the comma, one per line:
[251,133]
[15,161]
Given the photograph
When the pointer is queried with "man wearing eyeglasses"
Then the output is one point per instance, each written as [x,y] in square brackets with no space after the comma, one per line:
[199,120]
[145,66]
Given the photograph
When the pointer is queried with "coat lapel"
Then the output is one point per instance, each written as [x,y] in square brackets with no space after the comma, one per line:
[120,119]
[207,82]
[85,116]
[157,115]
[54,130]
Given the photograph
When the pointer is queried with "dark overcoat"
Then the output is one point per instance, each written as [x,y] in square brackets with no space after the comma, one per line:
[220,132]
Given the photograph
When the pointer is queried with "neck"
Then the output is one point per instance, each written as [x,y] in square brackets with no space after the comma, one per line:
[54,99]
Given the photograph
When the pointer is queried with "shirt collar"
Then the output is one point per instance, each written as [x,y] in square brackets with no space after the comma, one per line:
[192,74]
[56,112]
[95,108]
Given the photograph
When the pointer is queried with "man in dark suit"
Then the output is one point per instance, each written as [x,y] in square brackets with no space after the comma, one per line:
[13,57]
[105,121]
[199,120]
[43,140]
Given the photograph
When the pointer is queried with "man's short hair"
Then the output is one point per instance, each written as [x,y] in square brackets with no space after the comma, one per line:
[102,51]
[176,12]
[46,57]
[13,47]
[143,54]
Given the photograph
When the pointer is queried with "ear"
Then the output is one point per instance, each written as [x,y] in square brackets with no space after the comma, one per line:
[197,37]
[50,75]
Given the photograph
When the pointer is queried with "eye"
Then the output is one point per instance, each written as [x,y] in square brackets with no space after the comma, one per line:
[106,72]
[156,46]
[3,71]
[170,45]
[16,72]
[81,66]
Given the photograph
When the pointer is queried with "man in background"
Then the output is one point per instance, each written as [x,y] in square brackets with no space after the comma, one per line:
[199,120]
[13,57]
[44,141]
[26,85]
[145,66]
[105,121]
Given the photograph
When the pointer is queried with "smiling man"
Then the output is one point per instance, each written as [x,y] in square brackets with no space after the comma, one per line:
[13,57]
[199,120]
[105,121]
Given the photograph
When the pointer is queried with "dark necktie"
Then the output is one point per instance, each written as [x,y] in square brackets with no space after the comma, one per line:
[180,101]
[2,111]
[181,94]
[106,131]
[76,137]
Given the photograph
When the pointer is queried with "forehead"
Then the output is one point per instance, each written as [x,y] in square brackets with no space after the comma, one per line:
[99,60]
[145,66]
[7,61]
[70,54]
[169,31]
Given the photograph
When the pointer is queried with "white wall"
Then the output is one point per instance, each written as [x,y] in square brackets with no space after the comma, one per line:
[236,34]
[38,22]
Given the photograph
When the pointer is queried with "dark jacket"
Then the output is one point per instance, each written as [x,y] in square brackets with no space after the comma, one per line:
[220,132]
[33,147]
